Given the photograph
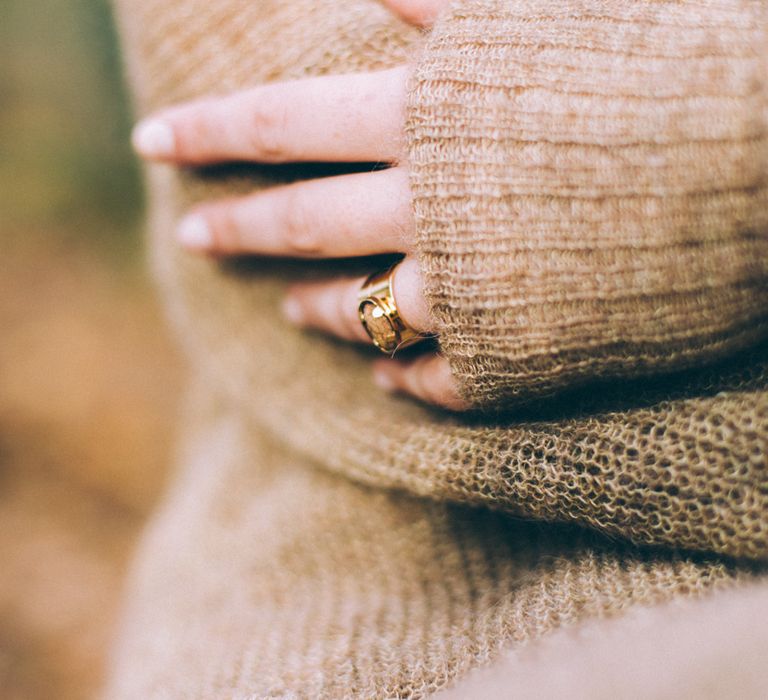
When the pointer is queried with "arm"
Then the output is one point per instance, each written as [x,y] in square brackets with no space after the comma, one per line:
[589,184]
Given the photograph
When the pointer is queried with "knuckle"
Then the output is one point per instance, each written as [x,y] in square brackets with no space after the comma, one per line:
[428,381]
[427,387]
[193,131]
[268,132]
[299,231]
[224,227]
[415,379]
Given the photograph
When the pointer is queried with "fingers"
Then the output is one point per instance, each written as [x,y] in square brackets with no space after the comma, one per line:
[331,306]
[419,12]
[343,216]
[342,118]
[355,117]
[427,377]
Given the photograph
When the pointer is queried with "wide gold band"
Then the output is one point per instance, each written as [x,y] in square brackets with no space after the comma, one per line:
[378,314]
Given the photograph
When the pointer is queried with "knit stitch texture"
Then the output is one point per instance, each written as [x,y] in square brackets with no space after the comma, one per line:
[590,186]
[589,189]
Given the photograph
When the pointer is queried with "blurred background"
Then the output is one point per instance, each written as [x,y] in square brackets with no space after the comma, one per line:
[88,376]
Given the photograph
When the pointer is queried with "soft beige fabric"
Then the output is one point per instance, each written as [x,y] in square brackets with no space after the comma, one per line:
[264,576]
[590,184]
[282,564]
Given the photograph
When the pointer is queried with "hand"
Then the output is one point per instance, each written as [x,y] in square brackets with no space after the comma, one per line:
[345,118]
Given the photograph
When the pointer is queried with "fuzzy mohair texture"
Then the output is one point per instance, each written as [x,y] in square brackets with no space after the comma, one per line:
[589,190]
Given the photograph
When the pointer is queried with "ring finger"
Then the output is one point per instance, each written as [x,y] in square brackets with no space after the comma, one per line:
[331,306]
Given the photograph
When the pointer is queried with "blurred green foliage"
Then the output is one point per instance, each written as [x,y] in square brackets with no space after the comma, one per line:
[66,170]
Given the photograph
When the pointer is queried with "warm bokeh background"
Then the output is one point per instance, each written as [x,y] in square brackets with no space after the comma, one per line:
[88,376]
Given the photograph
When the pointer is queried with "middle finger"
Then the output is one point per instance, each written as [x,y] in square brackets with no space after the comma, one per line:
[342,216]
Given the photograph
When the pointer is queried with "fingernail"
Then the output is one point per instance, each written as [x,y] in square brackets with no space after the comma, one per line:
[154,138]
[194,232]
[383,380]
[292,310]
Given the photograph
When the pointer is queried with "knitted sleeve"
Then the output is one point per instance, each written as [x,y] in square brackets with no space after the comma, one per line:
[589,185]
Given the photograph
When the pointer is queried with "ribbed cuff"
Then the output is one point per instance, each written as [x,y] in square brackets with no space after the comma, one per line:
[589,189]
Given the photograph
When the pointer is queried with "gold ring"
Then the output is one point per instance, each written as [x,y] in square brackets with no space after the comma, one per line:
[378,313]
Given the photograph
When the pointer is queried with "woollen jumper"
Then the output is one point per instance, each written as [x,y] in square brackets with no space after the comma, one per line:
[590,199]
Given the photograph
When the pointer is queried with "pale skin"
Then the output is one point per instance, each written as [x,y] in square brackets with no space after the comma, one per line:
[350,118]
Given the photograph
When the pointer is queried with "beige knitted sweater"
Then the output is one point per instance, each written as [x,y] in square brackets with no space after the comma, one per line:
[589,184]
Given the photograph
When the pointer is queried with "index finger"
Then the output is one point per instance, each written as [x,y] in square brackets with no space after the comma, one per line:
[355,117]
